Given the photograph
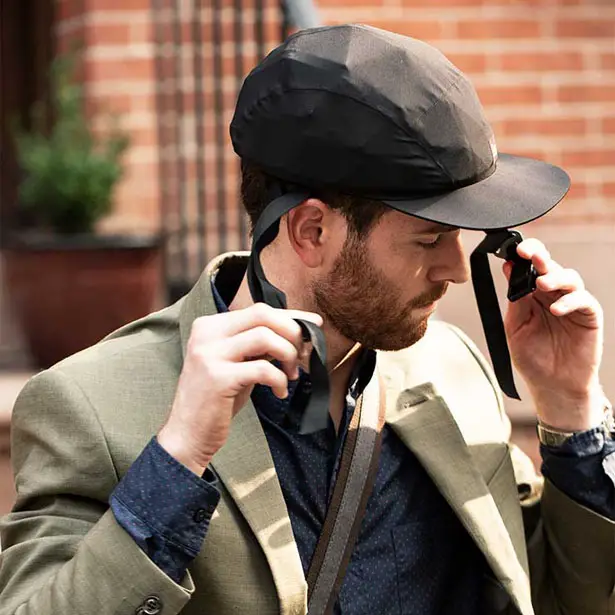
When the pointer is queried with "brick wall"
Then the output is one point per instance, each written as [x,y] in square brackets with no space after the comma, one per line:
[544,69]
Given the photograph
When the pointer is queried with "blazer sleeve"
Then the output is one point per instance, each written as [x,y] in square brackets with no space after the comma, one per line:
[63,550]
[572,556]
[571,549]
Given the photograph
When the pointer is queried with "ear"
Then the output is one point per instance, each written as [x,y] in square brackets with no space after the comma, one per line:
[312,227]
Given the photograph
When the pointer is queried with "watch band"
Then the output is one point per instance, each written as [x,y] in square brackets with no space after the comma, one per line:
[550,436]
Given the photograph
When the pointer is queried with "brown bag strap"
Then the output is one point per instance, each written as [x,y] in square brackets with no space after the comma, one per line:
[353,486]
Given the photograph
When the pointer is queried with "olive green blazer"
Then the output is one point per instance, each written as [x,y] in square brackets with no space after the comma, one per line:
[78,426]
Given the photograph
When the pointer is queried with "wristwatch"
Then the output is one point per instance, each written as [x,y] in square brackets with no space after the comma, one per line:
[550,436]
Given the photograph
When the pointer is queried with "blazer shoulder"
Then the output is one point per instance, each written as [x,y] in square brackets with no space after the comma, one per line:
[140,344]
[448,362]
[444,346]
[127,380]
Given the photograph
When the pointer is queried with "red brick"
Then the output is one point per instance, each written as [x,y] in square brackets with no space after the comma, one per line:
[444,3]
[578,190]
[575,215]
[585,28]
[542,61]
[533,3]
[525,152]
[469,62]
[118,33]
[506,95]
[608,189]
[416,29]
[608,61]
[108,34]
[124,104]
[144,137]
[589,158]
[346,3]
[543,126]
[608,125]
[586,93]
[128,69]
[484,29]
[119,5]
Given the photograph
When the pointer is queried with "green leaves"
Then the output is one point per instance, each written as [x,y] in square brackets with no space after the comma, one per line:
[69,175]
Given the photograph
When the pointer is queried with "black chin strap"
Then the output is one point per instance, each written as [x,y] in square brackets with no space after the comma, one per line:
[316,414]
[523,281]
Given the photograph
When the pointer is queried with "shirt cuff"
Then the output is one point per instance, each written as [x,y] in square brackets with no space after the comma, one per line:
[584,469]
[165,508]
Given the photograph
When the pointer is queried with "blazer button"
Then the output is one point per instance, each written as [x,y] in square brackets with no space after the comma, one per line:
[152,605]
[200,515]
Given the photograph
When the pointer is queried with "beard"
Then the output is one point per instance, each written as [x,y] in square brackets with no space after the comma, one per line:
[364,306]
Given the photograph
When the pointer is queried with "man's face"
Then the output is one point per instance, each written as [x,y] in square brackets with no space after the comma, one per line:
[383,287]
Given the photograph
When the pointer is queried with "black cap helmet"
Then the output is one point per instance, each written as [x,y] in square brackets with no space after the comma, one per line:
[376,114]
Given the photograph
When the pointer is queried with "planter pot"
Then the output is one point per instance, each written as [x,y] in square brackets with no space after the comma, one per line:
[69,292]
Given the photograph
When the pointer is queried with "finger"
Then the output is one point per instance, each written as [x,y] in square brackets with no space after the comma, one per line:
[263,342]
[531,247]
[536,251]
[578,301]
[259,314]
[567,280]
[262,372]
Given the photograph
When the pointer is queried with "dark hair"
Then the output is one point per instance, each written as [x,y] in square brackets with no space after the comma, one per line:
[361,214]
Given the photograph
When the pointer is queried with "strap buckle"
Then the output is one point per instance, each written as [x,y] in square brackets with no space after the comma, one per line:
[502,244]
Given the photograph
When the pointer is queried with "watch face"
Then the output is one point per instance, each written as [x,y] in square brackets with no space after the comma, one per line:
[609,423]
[552,438]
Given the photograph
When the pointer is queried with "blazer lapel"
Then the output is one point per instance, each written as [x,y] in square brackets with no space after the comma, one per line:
[245,467]
[423,421]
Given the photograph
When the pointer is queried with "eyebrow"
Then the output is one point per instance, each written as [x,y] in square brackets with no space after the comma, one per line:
[436,228]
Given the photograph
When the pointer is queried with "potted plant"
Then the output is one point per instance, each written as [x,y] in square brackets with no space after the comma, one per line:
[68,284]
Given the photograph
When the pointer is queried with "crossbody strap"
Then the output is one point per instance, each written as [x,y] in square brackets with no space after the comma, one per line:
[353,486]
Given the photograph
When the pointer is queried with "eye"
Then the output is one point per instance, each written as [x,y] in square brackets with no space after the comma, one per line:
[430,244]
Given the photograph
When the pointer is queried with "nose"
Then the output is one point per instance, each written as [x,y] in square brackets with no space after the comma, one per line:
[452,265]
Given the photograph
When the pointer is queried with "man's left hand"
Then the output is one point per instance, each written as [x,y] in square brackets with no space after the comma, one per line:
[555,337]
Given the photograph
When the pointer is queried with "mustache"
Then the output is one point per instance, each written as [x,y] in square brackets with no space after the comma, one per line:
[427,298]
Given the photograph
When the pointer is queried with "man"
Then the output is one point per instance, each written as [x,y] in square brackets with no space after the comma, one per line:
[165,470]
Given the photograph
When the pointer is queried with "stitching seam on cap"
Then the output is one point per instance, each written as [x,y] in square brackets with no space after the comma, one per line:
[434,105]
[277,92]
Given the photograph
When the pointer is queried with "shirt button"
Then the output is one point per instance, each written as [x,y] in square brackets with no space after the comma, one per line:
[200,515]
[152,605]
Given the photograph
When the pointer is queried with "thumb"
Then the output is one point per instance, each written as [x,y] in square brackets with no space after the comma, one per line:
[517,312]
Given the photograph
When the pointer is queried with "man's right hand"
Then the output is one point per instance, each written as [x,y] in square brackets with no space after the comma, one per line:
[227,354]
